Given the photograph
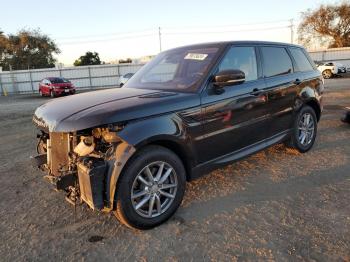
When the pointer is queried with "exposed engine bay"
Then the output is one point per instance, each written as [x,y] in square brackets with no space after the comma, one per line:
[84,164]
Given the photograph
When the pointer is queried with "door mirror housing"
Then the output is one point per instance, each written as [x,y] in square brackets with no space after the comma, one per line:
[228,78]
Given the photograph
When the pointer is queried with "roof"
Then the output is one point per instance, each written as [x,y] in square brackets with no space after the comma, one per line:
[244,42]
[55,77]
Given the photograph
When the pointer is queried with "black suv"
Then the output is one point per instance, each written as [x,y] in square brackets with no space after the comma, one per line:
[190,110]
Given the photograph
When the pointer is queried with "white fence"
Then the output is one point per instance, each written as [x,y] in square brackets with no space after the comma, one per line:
[340,55]
[83,77]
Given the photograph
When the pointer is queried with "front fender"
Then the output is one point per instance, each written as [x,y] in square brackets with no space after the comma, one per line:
[167,127]
[136,134]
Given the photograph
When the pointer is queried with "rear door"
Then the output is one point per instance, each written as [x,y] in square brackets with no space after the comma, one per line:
[281,85]
[235,117]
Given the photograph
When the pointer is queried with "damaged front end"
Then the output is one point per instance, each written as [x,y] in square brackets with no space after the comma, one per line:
[85,164]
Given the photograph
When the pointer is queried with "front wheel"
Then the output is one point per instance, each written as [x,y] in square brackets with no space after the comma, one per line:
[151,188]
[304,130]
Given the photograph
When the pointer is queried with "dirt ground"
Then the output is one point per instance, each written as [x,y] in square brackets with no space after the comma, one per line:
[275,205]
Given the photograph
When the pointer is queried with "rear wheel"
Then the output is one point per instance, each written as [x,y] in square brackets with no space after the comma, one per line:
[151,188]
[327,74]
[304,131]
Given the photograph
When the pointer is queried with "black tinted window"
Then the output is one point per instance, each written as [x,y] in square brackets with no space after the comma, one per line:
[276,61]
[301,60]
[58,80]
[242,58]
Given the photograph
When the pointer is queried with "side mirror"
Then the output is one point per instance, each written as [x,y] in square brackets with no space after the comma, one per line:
[228,78]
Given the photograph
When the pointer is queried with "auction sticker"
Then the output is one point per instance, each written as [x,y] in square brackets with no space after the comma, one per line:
[194,56]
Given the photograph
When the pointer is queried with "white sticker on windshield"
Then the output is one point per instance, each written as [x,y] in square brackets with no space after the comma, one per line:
[195,56]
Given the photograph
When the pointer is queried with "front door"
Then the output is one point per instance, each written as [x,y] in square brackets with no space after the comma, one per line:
[235,117]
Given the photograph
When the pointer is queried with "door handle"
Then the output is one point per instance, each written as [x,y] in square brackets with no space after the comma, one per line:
[256,92]
[297,81]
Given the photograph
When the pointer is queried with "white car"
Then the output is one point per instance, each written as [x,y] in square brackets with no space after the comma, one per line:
[329,69]
[123,79]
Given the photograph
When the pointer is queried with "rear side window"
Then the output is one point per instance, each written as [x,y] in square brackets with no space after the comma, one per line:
[276,61]
[242,58]
[302,63]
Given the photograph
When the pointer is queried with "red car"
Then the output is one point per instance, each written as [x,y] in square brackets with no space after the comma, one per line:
[56,86]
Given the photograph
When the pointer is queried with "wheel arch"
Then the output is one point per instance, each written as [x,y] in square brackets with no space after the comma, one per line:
[315,106]
[176,147]
[309,96]
[128,151]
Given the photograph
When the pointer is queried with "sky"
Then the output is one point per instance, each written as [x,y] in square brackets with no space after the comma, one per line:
[130,28]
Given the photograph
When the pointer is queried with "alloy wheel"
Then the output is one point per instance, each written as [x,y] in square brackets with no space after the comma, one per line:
[306,128]
[154,189]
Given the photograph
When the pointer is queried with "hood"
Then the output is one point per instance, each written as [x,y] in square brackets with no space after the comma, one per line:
[92,109]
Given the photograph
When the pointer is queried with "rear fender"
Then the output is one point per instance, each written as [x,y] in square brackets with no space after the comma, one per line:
[310,96]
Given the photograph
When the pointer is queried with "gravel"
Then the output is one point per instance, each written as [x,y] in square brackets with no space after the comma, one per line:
[275,205]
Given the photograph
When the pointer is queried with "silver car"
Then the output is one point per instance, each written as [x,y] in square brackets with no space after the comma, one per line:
[123,79]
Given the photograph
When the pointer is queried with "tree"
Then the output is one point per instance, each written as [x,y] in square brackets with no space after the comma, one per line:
[27,49]
[3,46]
[126,61]
[90,58]
[329,24]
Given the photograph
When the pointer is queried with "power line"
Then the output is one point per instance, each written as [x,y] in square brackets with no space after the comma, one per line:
[104,40]
[232,25]
[162,32]
[119,34]
[107,34]
[227,31]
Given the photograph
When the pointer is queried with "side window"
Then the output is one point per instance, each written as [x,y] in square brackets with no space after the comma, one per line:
[276,61]
[242,58]
[301,60]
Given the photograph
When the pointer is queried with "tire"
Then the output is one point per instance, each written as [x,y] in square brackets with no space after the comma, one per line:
[327,74]
[41,93]
[134,197]
[121,85]
[52,94]
[304,133]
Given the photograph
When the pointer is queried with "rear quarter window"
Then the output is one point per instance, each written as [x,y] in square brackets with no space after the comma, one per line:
[276,61]
[302,63]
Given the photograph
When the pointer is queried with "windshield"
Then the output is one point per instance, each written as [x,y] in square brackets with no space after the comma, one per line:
[178,69]
[58,80]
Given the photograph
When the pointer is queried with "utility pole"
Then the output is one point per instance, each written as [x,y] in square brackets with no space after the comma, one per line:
[291,30]
[160,39]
